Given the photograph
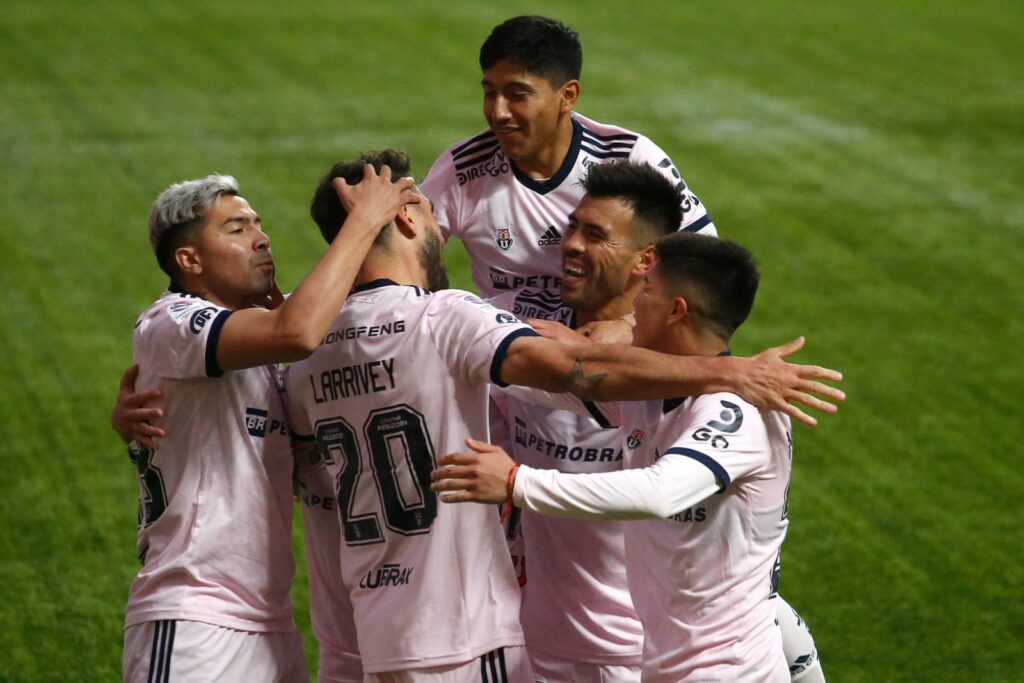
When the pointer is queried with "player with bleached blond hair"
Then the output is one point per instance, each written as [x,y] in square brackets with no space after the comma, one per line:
[210,602]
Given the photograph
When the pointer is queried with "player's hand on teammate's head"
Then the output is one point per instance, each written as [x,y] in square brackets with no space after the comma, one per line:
[549,329]
[375,195]
[477,477]
[771,382]
[131,413]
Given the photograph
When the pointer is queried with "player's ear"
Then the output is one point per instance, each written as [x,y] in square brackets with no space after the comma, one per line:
[679,311]
[188,259]
[569,93]
[644,261]
[408,222]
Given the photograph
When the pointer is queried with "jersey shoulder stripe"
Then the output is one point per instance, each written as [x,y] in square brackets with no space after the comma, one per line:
[465,147]
[615,141]
[607,147]
[484,155]
[598,154]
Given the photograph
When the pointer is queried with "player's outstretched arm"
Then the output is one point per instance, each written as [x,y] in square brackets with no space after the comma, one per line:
[775,384]
[130,417]
[293,330]
[486,474]
[604,372]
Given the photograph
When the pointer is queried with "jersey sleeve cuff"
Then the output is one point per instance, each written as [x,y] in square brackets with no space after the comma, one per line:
[704,459]
[499,353]
[213,368]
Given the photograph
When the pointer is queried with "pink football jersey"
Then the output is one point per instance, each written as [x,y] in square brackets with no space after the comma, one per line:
[400,379]
[215,504]
[511,224]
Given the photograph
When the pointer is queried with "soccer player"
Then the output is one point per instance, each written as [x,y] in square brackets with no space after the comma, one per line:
[211,600]
[710,473]
[506,192]
[401,377]
[577,614]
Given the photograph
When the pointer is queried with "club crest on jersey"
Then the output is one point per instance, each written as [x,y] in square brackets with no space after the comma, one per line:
[256,422]
[635,438]
[503,238]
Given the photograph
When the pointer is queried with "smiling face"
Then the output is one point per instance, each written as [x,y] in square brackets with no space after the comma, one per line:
[530,116]
[599,257]
[235,265]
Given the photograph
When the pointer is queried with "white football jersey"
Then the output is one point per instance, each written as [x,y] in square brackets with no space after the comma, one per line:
[702,579]
[215,503]
[511,224]
[399,380]
[576,602]
[330,609]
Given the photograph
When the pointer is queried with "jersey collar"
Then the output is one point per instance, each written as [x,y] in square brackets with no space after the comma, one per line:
[670,404]
[374,284]
[545,186]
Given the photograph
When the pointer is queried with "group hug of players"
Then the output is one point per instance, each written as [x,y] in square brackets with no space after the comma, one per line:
[642,472]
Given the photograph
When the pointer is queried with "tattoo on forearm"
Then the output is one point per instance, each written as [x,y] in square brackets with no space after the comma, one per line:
[579,383]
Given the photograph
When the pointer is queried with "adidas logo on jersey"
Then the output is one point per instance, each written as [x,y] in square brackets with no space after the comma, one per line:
[550,238]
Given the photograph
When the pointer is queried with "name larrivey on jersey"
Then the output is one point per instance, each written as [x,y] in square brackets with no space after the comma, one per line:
[354,380]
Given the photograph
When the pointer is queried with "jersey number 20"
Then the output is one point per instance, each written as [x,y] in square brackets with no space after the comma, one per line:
[401,458]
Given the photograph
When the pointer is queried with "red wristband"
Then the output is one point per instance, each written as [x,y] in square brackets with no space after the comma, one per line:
[510,486]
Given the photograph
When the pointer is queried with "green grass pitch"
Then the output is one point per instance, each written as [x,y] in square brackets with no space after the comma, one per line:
[871,154]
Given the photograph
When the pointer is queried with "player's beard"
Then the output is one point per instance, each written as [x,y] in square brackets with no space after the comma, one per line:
[432,263]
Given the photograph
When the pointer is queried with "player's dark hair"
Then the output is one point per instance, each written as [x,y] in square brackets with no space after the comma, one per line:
[544,47]
[717,277]
[326,208]
[655,201]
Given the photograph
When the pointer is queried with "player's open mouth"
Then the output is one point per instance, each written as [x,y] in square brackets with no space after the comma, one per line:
[572,271]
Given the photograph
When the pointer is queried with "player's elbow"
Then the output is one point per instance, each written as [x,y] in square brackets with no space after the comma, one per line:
[297,344]
[658,508]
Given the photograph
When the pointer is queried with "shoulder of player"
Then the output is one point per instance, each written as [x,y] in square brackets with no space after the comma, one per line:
[608,141]
[177,308]
[470,151]
[726,411]
[456,297]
